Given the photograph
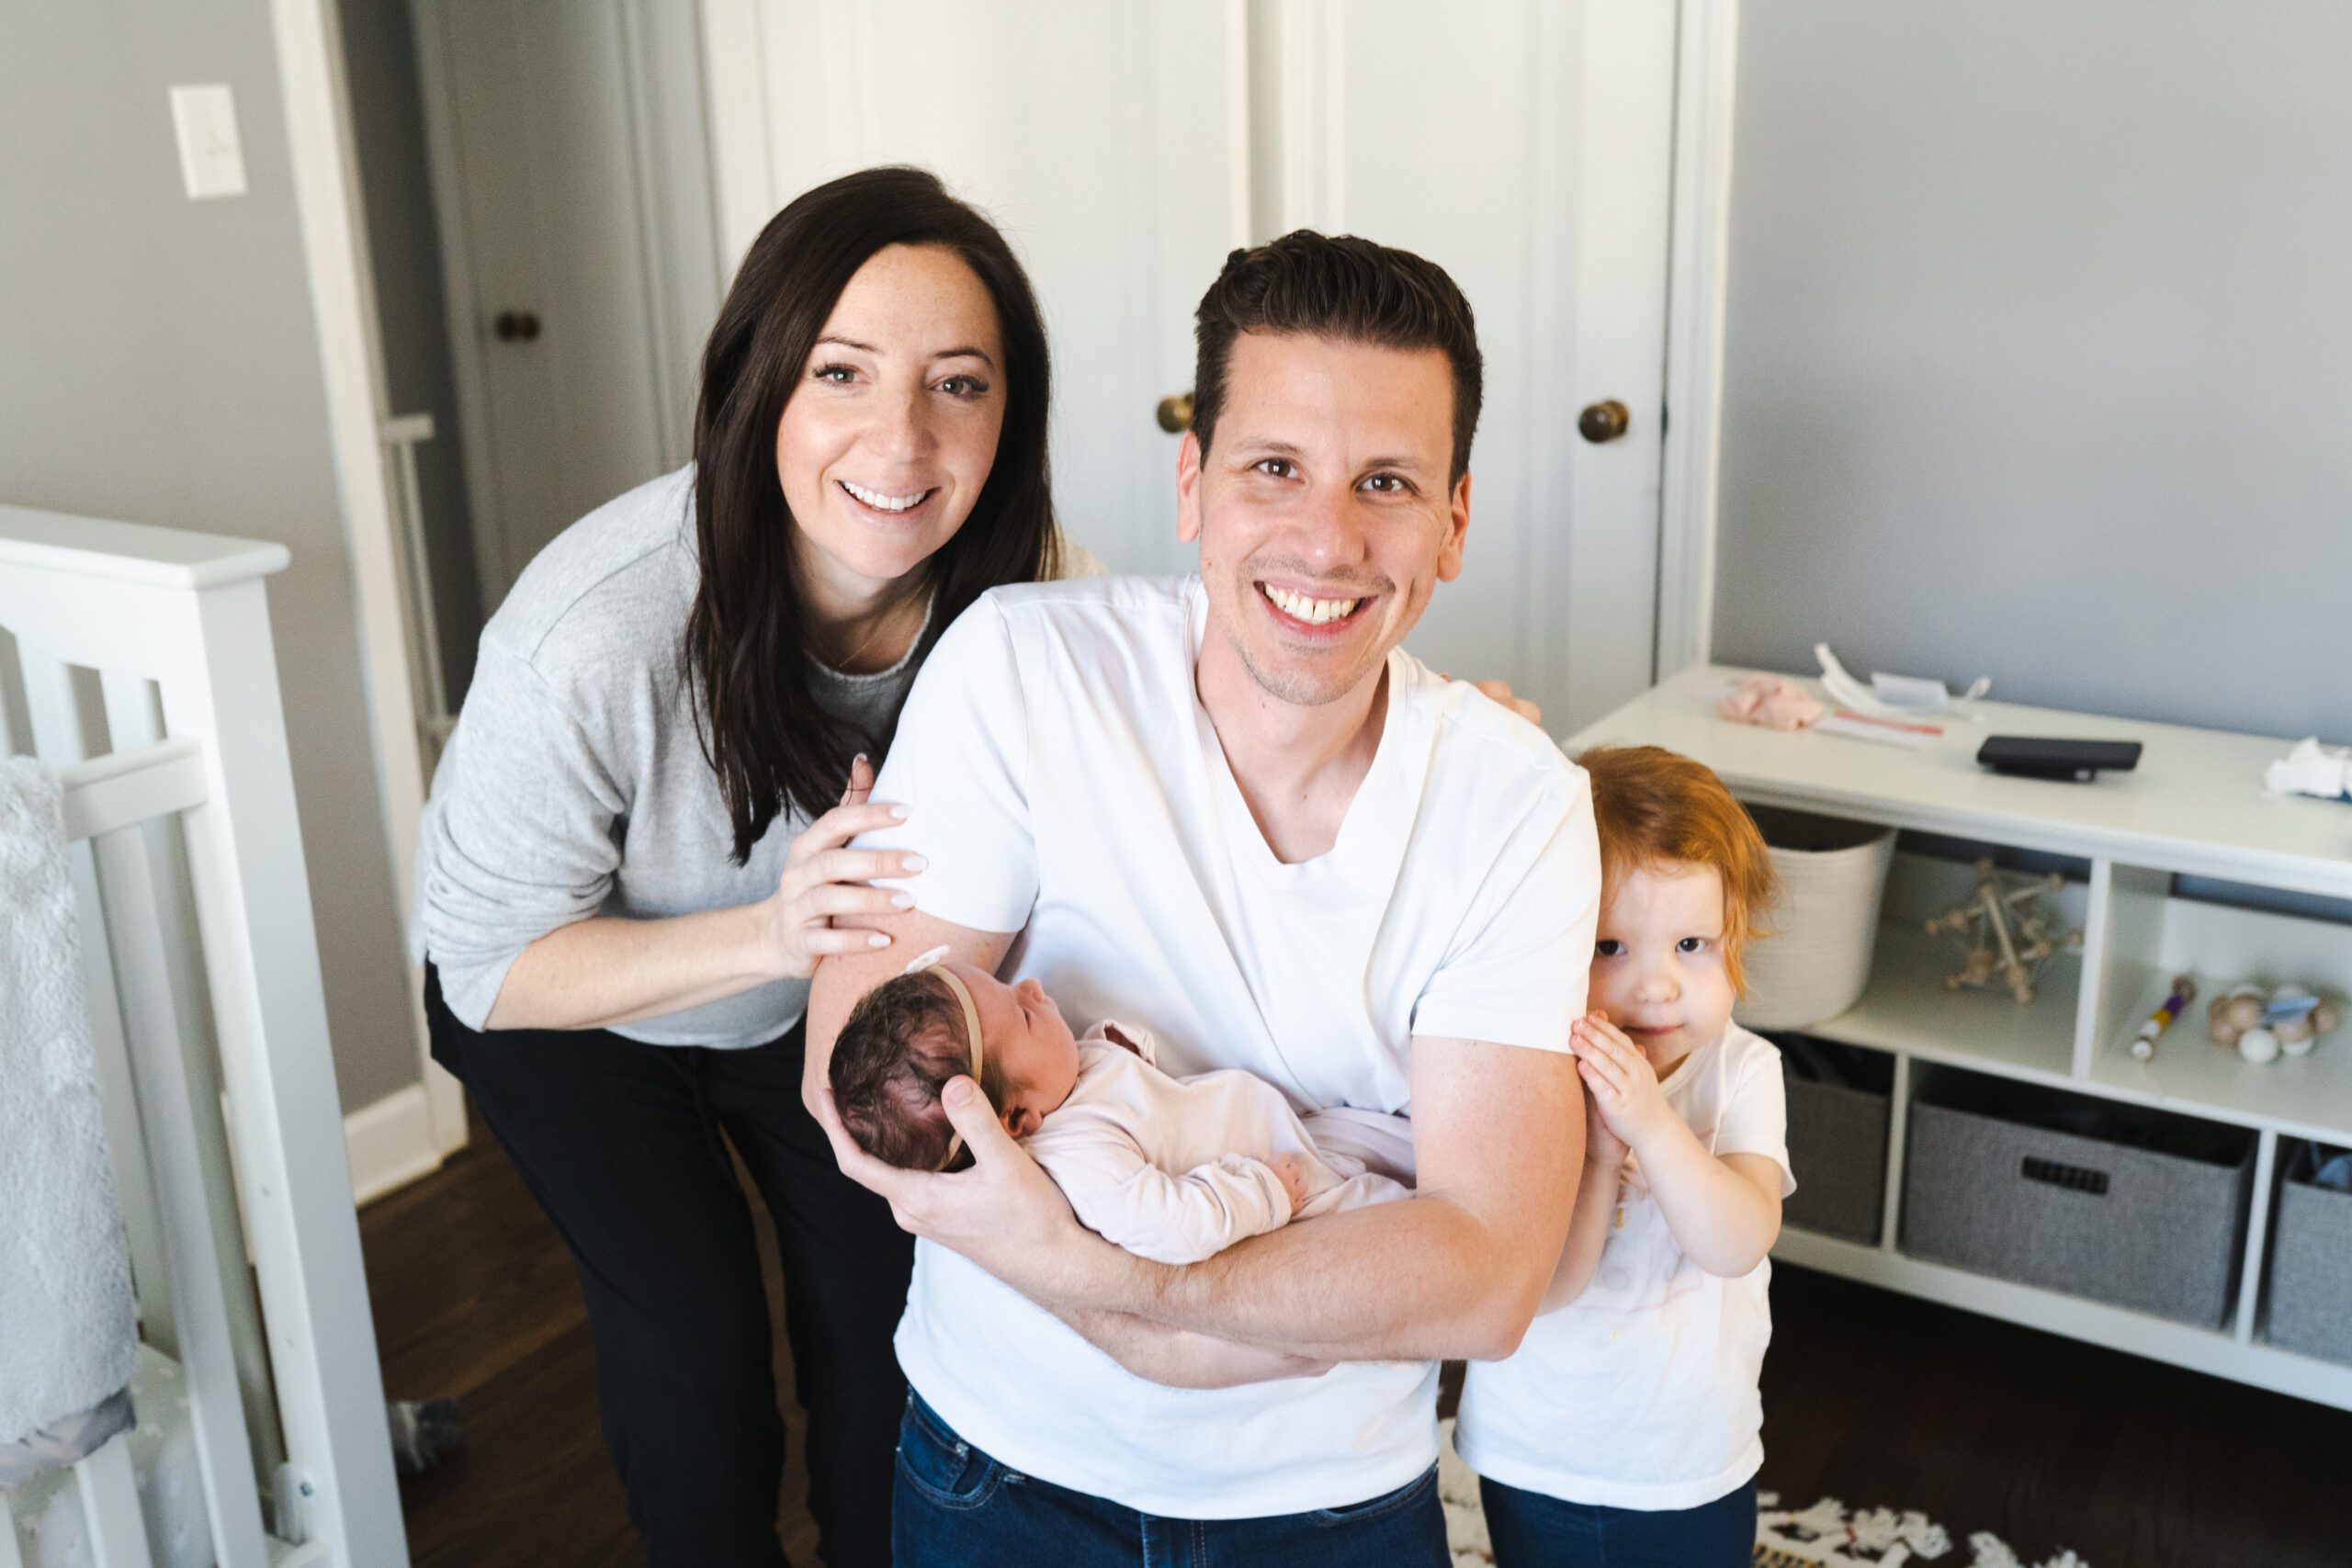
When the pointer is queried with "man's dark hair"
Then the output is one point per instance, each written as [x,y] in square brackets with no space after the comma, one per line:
[1337,287]
[903,1040]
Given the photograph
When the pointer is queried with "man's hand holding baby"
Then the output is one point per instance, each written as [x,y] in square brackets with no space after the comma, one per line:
[1002,1212]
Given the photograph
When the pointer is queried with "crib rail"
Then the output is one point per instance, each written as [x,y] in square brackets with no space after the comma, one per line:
[123,789]
[149,685]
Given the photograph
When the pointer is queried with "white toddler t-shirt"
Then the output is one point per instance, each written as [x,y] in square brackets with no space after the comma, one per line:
[1642,1392]
[1175,1169]
[1064,783]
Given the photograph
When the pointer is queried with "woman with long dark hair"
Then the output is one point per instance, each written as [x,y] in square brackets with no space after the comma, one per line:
[638,836]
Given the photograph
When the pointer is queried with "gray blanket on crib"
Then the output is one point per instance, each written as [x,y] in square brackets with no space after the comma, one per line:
[67,1322]
[64,1442]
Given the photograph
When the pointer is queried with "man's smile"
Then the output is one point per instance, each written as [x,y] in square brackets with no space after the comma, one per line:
[1298,611]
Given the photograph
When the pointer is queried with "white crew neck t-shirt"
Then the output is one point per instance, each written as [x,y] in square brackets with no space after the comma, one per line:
[1642,1392]
[1064,782]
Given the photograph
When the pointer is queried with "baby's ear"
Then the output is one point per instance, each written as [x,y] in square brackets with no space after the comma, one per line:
[1020,1121]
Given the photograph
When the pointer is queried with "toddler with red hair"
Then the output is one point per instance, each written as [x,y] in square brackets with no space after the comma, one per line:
[1625,1429]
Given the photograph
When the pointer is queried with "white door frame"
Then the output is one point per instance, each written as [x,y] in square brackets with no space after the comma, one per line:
[428,1120]
[1706,60]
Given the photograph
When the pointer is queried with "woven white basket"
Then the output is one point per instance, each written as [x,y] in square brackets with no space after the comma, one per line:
[1825,923]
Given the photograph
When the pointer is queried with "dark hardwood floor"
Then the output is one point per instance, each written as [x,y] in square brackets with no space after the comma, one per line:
[1870,1397]
[1878,1400]
[475,1299]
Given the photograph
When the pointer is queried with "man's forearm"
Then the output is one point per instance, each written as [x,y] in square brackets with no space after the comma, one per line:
[1179,1359]
[1456,1270]
[1419,1279]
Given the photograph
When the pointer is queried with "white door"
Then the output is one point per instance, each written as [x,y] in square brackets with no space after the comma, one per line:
[1526,147]
[536,110]
[1523,144]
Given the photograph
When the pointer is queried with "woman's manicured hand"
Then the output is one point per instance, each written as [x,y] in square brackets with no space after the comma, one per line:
[1622,1083]
[825,882]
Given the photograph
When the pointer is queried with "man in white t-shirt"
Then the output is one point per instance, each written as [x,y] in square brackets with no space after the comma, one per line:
[1233,805]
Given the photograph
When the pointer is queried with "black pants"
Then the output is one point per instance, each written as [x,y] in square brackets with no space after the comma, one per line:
[625,1146]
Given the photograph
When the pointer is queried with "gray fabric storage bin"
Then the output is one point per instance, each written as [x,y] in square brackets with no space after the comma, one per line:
[2157,1231]
[1837,1151]
[2310,1266]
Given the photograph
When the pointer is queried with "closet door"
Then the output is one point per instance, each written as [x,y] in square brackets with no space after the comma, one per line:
[542,118]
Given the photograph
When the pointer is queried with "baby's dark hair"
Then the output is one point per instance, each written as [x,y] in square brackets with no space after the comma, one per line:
[903,1040]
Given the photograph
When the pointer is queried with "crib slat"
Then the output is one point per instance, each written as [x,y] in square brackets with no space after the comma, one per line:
[111,1507]
[135,719]
[9,1556]
[61,738]
[169,1118]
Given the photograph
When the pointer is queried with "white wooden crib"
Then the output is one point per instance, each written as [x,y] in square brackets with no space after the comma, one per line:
[143,675]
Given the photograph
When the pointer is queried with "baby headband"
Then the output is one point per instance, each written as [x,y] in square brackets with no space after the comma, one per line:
[933,961]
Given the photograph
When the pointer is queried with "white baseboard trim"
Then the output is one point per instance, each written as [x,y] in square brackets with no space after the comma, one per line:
[390,1143]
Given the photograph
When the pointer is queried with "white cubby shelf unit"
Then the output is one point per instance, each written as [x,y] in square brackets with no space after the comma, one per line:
[2194,809]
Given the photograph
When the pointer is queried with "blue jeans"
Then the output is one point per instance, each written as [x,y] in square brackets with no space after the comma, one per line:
[956,1507]
[1530,1530]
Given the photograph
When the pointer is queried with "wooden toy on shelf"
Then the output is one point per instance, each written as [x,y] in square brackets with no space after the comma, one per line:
[2262,1026]
[2144,1045]
[2010,934]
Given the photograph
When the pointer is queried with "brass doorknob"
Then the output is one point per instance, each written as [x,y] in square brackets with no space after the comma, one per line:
[1604,422]
[515,326]
[1176,414]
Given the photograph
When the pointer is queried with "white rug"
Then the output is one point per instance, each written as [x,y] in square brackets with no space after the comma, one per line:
[1466,1521]
[1824,1536]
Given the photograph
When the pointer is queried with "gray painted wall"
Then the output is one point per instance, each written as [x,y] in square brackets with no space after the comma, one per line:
[158,363]
[2040,351]
[404,249]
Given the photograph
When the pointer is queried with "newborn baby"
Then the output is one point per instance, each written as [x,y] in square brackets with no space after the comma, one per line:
[1172,1169]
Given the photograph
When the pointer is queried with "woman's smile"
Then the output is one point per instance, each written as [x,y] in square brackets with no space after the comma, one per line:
[885,500]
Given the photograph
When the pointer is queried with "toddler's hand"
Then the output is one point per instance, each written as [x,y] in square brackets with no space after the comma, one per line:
[1602,1148]
[1293,1180]
[1621,1081]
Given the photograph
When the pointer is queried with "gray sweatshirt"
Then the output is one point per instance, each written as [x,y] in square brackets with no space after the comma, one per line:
[574,783]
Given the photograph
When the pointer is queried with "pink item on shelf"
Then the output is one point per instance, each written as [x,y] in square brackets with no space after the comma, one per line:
[1774,701]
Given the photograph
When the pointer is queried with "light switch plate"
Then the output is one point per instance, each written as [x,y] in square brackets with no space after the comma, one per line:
[212,162]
